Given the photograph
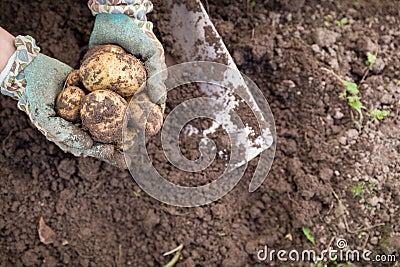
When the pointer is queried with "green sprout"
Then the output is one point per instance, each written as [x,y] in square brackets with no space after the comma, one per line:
[372,187]
[307,233]
[357,190]
[351,94]
[253,3]
[342,22]
[361,234]
[378,114]
[371,58]
[137,192]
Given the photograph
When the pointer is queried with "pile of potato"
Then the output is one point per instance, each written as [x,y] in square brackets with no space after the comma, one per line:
[97,95]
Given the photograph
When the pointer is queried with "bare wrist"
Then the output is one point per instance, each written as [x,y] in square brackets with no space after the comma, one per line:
[7,47]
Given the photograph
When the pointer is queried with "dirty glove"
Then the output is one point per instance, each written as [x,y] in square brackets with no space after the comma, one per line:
[35,80]
[114,26]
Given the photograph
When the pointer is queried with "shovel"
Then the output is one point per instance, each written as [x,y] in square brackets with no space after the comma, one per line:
[197,40]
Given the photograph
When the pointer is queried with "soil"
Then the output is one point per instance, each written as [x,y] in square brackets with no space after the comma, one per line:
[328,175]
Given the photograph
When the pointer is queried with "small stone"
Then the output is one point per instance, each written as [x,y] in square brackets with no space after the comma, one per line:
[352,134]
[46,234]
[386,99]
[324,37]
[338,115]
[374,201]
[334,64]
[289,83]
[343,140]
[378,66]
[374,240]
[341,225]
[315,48]
[386,169]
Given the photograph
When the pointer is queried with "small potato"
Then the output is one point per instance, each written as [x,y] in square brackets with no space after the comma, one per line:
[129,137]
[68,103]
[72,79]
[103,114]
[121,73]
[143,111]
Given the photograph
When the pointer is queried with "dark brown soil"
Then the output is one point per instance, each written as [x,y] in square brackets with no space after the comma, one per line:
[99,216]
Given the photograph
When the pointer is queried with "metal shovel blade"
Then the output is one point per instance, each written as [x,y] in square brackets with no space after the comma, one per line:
[197,39]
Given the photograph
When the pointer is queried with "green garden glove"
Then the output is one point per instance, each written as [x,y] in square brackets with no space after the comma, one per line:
[35,80]
[121,30]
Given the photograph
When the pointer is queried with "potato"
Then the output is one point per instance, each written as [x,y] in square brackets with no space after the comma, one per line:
[103,48]
[73,79]
[118,72]
[68,103]
[103,114]
[143,111]
[129,138]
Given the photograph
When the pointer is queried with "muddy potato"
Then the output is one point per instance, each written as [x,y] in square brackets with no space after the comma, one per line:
[129,137]
[121,73]
[103,113]
[143,111]
[73,79]
[68,103]
[98,49]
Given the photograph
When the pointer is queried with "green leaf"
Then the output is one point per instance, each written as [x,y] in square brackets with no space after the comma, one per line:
[307,233]
[351,87]
[370,59]
[137,192]
[357,190]
[368,206]
[361,234]
[343,22]
[356,104]
[253,3]
[378,114]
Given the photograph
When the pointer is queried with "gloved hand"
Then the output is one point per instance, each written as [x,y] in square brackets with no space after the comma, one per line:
[35,80]
[120,29]
[134,34]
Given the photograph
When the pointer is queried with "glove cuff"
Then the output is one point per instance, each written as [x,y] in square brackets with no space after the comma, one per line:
[14,83]
[136,9]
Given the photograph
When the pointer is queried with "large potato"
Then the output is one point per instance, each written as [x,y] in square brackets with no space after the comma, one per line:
[68,103]
[98,49]
[118,72]
[103,114]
